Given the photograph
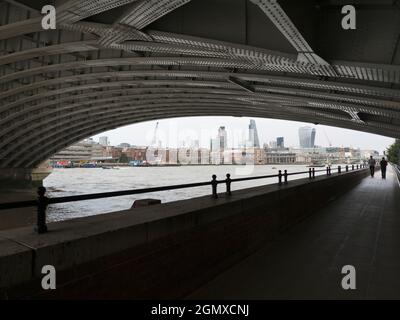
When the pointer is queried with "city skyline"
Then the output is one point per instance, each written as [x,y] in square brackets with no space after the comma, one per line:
[201,130]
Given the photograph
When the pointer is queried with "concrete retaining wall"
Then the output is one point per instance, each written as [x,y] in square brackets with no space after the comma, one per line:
[13,177]
[163,251]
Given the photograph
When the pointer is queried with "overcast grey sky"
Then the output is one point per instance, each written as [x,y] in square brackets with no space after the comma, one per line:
[172,131]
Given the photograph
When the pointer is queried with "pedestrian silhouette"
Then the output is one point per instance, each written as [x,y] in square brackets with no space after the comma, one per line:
[383,164]
[371,163]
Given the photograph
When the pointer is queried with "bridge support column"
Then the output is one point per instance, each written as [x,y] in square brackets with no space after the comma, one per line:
[22,177]
[18,184]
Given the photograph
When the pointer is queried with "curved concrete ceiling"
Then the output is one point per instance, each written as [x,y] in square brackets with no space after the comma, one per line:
[111,63]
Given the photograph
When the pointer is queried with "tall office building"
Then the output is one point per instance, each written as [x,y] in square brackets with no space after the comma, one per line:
[307,137]
[253,134]
[195,144]
[214,145]
[103,141]
[223,138]
[280,142]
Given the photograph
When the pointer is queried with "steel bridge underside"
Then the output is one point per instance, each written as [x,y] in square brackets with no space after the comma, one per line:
[111,63]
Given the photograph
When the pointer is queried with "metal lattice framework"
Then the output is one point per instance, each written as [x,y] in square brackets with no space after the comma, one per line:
[111,63]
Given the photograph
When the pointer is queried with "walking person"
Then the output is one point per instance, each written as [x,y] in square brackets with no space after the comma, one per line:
[372,163]
[383,164]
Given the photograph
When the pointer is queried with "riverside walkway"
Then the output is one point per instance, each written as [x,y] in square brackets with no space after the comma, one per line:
[361,228]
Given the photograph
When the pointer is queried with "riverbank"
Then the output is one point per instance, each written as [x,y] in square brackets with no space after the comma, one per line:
[67,182]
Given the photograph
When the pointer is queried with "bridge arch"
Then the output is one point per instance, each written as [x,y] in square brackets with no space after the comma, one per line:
[105,66]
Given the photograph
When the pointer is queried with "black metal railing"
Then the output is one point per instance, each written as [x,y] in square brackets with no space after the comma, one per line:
[43,202]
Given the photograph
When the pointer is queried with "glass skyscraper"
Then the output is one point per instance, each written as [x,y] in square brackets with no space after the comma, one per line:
[223,138]
[280,142]
[253,134]
[307,137]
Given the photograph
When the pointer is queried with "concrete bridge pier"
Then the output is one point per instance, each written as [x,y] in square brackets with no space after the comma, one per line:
[15,177]
[23,178]
[19,184]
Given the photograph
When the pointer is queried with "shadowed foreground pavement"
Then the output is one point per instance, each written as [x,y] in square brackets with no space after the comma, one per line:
[362,228]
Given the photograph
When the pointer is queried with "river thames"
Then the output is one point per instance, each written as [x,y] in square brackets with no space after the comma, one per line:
[76,181]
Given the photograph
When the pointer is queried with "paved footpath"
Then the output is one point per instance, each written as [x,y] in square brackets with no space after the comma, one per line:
[362,228]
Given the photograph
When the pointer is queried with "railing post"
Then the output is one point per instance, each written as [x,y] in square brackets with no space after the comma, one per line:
[347,168]
[285,176]
[280,177]
[214,184]
[228,184]
[309,173]
[357,167]
[313,173]
[42,203]
[327,171]
[339,169]
[352,167]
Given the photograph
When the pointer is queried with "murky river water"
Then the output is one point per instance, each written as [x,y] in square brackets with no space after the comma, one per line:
[63,182]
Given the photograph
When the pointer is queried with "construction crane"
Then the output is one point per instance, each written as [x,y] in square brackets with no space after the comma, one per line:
[326,136]
[154,141]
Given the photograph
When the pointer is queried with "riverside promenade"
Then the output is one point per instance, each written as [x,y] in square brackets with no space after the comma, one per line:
[287,240]
[361,228]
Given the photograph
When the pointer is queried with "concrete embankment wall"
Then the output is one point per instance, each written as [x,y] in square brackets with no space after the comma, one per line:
[165,251]
[17,185]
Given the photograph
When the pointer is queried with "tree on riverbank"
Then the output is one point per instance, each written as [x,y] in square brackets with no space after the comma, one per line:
[393,152]
[123,158]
